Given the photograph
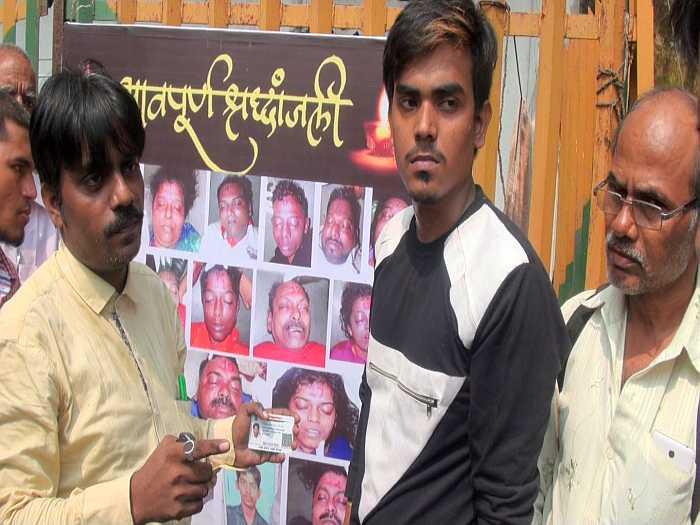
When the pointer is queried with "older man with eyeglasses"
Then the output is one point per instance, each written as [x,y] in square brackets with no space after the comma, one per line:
[620,447]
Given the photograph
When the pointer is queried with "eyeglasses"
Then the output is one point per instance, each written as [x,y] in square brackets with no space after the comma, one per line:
[646,215]
[28,98]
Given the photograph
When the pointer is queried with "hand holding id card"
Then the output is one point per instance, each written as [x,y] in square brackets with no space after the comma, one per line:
[273,435]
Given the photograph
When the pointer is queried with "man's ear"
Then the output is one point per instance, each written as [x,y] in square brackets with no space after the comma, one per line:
[269,323]
[52,202]
[482,119]
[307,225]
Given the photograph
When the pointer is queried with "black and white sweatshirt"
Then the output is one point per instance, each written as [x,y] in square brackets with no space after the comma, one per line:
[466,338]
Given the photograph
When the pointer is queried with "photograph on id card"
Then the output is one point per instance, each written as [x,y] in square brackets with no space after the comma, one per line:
[271,435]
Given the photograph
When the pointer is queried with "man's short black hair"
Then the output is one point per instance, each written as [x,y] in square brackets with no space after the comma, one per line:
[351,293]
[253,470]
[77,120]
[424,25]
[289,188]
[685,22]
[347,194]
[183,177]
[204,363]
[12,111]
[243,184]
[233,273]
[275,286]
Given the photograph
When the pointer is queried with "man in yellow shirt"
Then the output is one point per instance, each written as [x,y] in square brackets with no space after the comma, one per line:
[91,345]
[620,447]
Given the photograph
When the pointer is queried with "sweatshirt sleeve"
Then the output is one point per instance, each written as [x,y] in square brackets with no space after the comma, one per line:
[516,356]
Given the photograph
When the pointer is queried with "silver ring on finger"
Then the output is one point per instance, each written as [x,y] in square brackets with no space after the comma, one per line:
[188,441]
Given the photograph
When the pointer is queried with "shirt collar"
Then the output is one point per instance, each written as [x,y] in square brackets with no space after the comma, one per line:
[95,291]
[614,311]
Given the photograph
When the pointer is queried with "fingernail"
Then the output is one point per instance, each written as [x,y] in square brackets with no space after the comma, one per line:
[224,446]
[266,414]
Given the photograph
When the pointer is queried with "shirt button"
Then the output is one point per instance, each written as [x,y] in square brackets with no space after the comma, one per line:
[609,453]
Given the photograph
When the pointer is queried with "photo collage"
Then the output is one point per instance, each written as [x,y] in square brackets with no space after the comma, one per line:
[272,278]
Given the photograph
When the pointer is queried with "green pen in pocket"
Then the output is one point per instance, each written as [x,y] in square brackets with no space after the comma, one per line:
[182,388]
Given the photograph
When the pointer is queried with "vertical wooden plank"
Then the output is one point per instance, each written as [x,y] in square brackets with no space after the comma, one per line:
[9,19]
[31,36]
[612,49]
[374,17]
[575,166]
[172,12]
[59,15]
[486,162]
[126,11]
[550,81]
[321,16]
[645,45]
[218,13]
[270,15]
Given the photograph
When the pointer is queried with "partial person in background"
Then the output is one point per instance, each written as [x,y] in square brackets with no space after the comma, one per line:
[17,79]
[234,234]
[328,418]
[173,192]
[356,302]
[17,190]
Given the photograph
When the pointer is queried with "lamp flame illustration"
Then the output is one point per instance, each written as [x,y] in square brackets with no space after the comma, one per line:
[379,153]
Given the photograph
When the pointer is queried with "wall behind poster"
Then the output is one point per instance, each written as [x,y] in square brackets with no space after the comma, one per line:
[274,108]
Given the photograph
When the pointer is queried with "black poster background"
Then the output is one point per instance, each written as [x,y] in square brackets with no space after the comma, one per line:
[183,56]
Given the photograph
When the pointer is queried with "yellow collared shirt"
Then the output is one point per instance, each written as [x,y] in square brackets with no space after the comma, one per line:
[88,388]
[622,454]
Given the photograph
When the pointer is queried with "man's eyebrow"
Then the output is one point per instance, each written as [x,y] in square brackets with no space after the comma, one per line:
[404,89]
[447,90]
[647,193]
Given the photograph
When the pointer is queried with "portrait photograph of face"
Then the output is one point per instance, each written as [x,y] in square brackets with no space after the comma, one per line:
[328,411]
[291,318]
[232,231]
[340,230]
[220,317]
[216,385]
[249,495]
[316,493]
[289,206]
[385,208]
[175,207]
[350,321]
[173,272]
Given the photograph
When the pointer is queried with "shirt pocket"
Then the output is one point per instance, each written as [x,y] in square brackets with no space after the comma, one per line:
[653,488]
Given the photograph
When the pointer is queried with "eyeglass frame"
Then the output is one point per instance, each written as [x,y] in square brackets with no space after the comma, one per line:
[663,215]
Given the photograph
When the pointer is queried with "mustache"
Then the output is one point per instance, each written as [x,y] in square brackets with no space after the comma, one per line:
[221,401]
[126,216]
[625,246]
[330,516]
[425,149]
[294,324]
